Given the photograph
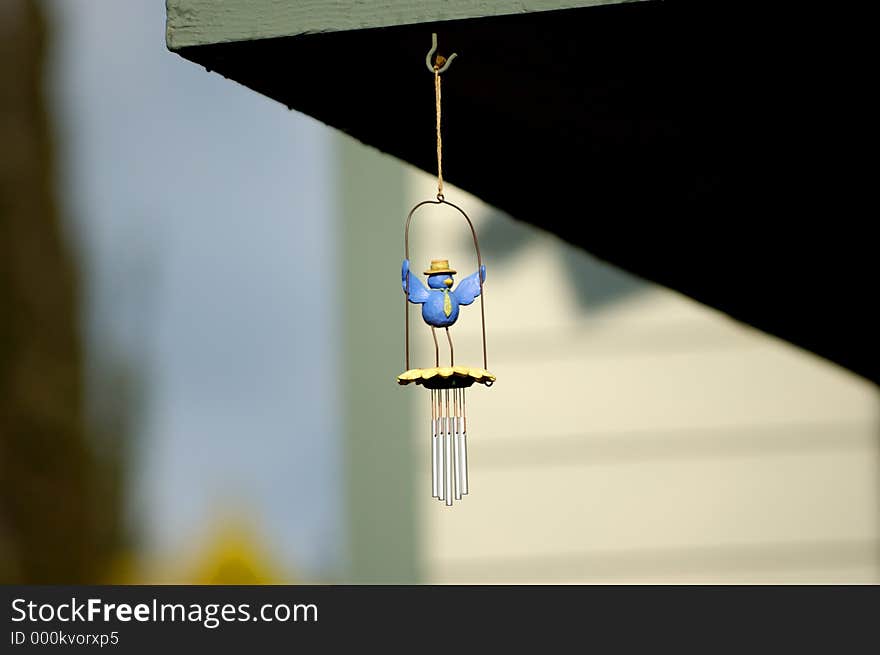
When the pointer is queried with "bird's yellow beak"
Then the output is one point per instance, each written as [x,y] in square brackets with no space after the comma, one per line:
[448,282]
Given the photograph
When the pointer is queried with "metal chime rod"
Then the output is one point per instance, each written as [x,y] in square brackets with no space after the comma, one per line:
[453,432]
[434,491]
[463,445]
[441,459]
[449,474]
[456,445]
[448,463]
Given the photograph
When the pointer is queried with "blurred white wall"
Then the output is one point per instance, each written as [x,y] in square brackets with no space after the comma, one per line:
[634,435]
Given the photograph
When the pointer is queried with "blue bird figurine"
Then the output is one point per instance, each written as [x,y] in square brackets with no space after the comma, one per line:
[440,303]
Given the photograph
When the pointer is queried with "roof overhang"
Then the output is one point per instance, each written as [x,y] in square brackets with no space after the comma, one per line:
[705,146]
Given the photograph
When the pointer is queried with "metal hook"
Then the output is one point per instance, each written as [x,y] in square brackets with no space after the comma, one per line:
[432,51]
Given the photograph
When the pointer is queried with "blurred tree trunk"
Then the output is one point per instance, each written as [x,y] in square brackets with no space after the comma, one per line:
[57,522]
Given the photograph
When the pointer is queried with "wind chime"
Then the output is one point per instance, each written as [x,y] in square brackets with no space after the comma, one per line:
[440,308]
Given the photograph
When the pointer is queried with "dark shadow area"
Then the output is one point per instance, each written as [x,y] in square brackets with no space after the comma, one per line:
[714,148]
[596,283]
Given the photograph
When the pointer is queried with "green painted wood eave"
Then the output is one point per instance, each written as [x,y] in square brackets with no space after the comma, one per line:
[203,22]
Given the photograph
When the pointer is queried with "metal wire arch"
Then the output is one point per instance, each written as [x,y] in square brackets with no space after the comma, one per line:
[409,217]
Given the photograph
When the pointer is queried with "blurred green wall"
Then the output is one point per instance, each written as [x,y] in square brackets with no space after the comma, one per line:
[377,416]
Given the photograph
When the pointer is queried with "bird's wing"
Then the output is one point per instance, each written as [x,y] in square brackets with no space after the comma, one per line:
[469,288]
[416,292]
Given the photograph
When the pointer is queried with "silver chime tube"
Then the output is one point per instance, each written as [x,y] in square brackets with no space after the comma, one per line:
[434,477]
[456,444]
[441,448]
[448,463]
[449,466]
[453,433]
[463,476]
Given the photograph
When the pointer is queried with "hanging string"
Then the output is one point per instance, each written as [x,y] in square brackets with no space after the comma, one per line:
[439,62]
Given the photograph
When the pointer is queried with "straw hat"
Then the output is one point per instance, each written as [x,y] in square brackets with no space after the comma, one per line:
[440,266]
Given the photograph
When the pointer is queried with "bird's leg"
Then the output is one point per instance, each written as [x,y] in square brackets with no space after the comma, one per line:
[436,348]
[451,349]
